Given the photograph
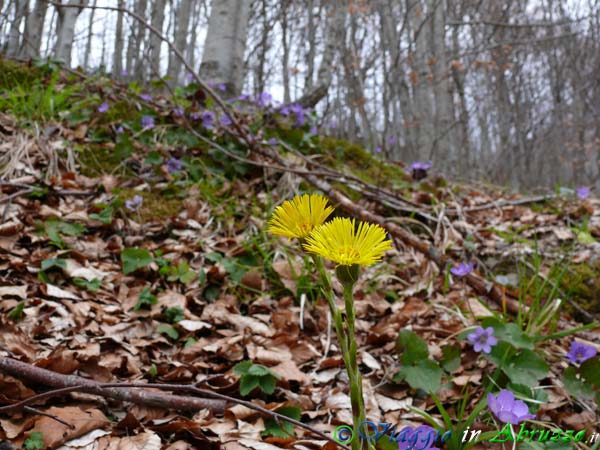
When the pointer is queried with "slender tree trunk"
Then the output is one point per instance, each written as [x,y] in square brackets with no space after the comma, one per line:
[311,30]
[286,53]
[158,18]
[264,47]
[65,31]
[88,45]
[182,22]
[14,35]
[140,36]
[32,41]
[117,68]
[223,58]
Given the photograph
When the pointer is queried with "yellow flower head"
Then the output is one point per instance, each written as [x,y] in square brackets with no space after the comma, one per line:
[343,242]
[296,218]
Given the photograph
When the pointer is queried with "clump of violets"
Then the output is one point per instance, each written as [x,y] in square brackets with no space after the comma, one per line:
[225,120]
[103,107]
[174,165]
[351,245]
[419,170]
[462,269]
[178,111]
[507,409]
[263,100]
[146,97]
[583,192]
[579,352]
[482,339]
[135,203]
[147,122]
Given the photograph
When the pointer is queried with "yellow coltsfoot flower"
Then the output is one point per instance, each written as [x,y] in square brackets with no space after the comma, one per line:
[298,217]
[340,240]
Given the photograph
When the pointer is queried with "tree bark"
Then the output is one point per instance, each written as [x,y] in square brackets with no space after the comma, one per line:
[223,58]
[117,68]
[88,45]
[14,35]
[65,31]
[32,41]
[182,22]
[158,18]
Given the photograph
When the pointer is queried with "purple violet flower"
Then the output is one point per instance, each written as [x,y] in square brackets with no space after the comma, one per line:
[178,111]
[221,87]
[378,149]
[462,269]
[103,107]
[392,140]
[333,124]
[507,409]
[482,339]
[190,76]
[583,192]
[120,130]
[313,130]
[124,73]
[146,97]
[226,120]
[147,122]
[195,115]
[135,203]
[419,170]
[422,437]
[273,141]
[263,100]
[207,119]
[579,352]
[174,165]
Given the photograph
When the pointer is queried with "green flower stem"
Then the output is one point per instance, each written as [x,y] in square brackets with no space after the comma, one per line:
[348,346]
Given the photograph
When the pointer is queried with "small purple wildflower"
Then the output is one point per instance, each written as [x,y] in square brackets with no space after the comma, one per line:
[147,122]
[378,149]
[226,120]
[243,98]
[462,269]
[507,409]
[419,170]
[263,100]
[221,87]
[579,352]
[583,192]
[207,119]
[174,165]
[103,107]
[120,129]
[273,141]
[392,140]
[422,437]
[135,203]
[178,111]
[195,115]
[482,339]
[313,130]
[124,73]
[146,97]
[190,76]
[333,124]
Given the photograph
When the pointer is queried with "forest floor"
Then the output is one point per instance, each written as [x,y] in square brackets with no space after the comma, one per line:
[132,253]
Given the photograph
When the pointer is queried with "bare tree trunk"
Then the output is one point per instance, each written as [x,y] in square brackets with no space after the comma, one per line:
[264,47]
[158,18]
[335,35]
[14,34]
[223,58]
[191,47]
[138,40]
[286,53]
[88,45]
[32,41]
[311,38]
[117,66]
[65,30]
[182,22]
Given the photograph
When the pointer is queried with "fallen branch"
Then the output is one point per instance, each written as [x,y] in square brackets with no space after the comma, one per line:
[134,392]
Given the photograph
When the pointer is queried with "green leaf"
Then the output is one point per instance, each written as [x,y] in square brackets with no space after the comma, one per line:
[145,299]
[583,237]
[248,383]
[134,259]
[153,158]
[498,352]
[509,332]
[590,371]
[259,370]
[267,384]
[576,387]
[105,215]
[526,368]
[412,347]
[52,262]
[189,342]
[241,368]
[17,312]
[174,315]
[425,374]
[34,441]
[450,358]
[282,429]
[168,330]
[91,285]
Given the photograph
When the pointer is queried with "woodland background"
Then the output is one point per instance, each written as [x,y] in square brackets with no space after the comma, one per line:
[505,92]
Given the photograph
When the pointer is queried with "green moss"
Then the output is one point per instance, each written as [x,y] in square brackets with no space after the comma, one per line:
[120,112]
[155,205]
[13,74]
[99,159]
[582,283]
